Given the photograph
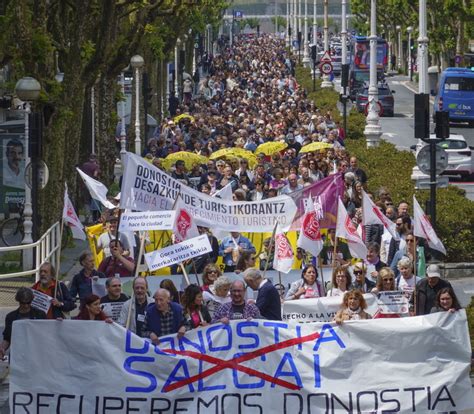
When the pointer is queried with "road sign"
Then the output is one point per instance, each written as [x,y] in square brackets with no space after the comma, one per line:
[423,159]
[43,175]
[326,68]
[424,183]
[378,108]
[326,57]
[238,14]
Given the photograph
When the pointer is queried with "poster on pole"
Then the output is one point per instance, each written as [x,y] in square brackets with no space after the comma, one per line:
[147,220]
[177,253]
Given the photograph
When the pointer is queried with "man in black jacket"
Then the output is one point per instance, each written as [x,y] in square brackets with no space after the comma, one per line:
[268,299]
[427,289]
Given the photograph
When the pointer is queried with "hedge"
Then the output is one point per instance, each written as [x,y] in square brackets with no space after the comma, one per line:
[390,168]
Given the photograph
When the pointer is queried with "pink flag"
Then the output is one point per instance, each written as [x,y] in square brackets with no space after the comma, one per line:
[423,228]
[284,256]
[184,225]
[310,235]
[371,214]
[70,218]
[346,230]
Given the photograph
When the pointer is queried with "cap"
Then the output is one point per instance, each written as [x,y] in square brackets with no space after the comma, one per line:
[433,271]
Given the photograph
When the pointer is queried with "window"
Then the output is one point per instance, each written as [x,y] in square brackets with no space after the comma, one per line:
[459,84]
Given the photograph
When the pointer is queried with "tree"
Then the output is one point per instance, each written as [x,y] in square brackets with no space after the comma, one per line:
[95,40]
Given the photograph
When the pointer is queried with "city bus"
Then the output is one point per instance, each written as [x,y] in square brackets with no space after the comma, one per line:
[359,73]
[456,94]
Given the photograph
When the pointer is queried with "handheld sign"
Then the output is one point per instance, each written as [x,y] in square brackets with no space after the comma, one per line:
[147,220]
[178,253]
[41,301]
[392,302]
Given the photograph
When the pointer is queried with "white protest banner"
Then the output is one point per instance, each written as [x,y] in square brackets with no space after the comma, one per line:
[147,220]
[112,309]
[410,365]
[320,309]
[41,301]
[147,188]
[392,302]
[178,252]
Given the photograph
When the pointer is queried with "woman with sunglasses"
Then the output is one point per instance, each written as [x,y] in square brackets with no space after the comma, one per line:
[209,275]
[360,281]
[385,283]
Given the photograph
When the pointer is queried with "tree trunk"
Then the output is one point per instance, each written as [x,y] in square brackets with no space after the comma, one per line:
[107,119]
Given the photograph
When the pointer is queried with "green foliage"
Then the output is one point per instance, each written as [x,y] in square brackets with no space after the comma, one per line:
[87,50]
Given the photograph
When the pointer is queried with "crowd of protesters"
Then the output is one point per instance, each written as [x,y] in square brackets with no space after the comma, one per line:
[246,96]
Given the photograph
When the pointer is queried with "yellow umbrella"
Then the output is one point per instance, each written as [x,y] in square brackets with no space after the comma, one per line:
[237,153]
[190,159]
[180,117]
[270,148]
[315,146]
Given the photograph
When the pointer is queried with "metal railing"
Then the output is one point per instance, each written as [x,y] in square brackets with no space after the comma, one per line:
[46,249]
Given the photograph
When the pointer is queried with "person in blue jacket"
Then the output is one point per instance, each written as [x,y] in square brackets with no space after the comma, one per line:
[268,299]
[163,317]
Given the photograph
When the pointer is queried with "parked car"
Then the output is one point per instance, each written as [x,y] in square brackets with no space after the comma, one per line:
[460,156]
[385,99]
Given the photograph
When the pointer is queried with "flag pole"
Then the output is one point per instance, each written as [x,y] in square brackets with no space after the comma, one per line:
[136,272]
[270,248]
[320,261]
[416,271]
[58,258]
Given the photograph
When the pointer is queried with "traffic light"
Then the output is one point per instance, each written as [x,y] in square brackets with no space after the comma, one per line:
[422,116]
[442,124]
[289,31]
[299,37]
[182,60]
[314,52]
[345,75]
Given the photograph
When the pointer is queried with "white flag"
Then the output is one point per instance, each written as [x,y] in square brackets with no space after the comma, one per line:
[371,214]
[423,228]
[346,230]
[225,193]
[97,190]
[184,225]
[284,256]
[310,235]
[71,219]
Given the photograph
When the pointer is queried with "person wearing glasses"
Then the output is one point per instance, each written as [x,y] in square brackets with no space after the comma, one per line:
[385,283]
[209,276]
[341,281]
[24,296]
[360,281]
[237,308]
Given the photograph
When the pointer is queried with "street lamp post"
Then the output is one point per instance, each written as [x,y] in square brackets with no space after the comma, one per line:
[399,57]
[410,69]
[305,34]
[137,62]
[123,134]
[326,83]
[373,131]
[27,89]
[176,51]
[315,25]
[287,37]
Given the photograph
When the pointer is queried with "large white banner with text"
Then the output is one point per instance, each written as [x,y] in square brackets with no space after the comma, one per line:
[147,188]
[417,365]
[320,309]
